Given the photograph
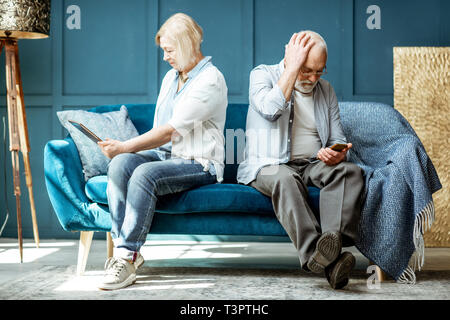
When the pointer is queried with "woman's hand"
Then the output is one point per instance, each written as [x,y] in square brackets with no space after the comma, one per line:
[111,147]
[331,157]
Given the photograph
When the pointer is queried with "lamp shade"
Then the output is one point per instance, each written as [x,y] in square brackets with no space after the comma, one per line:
[25,19]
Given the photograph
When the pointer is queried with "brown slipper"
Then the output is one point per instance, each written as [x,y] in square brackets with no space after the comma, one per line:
[328,248]
[338,272]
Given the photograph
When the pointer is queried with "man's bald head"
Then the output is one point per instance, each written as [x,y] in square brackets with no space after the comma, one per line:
[320,46]
[314,64]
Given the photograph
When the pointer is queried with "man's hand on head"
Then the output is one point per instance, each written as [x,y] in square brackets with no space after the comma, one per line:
[331,157]
[296,51]
[295,55]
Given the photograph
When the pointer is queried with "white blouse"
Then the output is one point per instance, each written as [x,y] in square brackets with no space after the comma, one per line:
[199,116]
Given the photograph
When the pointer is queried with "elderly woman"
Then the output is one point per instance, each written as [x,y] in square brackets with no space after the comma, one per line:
[184,149]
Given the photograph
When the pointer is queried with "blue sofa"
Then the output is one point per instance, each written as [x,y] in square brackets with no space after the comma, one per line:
[399,182]
[227,208]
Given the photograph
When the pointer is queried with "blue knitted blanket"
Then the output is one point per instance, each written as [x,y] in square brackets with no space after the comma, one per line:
[399,182]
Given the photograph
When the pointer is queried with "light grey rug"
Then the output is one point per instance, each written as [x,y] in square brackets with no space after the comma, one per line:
[190,283]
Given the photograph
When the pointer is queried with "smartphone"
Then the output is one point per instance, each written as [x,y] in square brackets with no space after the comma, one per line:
[338,147]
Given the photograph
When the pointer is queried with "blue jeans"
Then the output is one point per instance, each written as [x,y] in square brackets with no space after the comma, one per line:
[135,180]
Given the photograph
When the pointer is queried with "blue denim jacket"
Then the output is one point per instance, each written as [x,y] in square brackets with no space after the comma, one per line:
[270,118]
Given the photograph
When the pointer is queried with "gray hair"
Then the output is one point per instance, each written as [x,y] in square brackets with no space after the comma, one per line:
[319,40]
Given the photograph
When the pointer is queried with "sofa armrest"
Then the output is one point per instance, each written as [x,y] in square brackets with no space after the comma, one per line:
[65,184]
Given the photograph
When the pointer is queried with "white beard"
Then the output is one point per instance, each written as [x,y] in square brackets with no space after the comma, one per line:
[304,86]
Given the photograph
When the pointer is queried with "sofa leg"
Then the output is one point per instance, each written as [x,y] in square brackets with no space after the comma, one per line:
[83,250]
[109,245]
[381,276]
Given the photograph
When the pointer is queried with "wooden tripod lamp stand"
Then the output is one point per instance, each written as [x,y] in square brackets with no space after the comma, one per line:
[20,19]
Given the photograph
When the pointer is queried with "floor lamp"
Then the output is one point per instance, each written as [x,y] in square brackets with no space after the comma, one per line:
[20,19]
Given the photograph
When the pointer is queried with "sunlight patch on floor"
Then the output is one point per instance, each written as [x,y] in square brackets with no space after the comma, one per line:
[86,282]
[29,254]
[194,251]
[9,251]
[146,283]
[91,279]
[138,286]
[41,244]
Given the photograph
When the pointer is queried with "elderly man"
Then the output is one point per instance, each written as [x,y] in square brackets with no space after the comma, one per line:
[296,117]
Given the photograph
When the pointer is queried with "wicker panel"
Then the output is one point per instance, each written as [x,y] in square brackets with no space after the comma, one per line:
[422,96]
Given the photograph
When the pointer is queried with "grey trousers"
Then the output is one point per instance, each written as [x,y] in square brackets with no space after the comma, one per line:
[341,187]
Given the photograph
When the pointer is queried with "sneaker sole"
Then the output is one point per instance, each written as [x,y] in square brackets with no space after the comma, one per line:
[341,271]
[114,286]
[328,248]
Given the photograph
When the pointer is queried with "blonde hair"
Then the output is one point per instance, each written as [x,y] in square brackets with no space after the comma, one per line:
[186,35]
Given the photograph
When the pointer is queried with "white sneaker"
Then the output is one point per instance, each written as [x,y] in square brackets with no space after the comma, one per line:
[137,263]
[139,260]
[119,274]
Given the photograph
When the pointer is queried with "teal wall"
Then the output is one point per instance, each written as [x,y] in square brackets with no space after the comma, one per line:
[113,59]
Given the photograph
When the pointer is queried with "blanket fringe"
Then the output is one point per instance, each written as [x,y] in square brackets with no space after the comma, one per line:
[422,223]
[408,276]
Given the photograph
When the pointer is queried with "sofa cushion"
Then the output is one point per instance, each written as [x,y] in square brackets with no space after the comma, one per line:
[115,125]
[209,198]
[140,114]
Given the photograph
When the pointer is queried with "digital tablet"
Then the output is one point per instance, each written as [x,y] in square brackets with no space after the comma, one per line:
[85,130]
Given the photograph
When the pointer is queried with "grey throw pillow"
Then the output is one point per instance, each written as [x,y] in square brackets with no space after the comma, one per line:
[114,125]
